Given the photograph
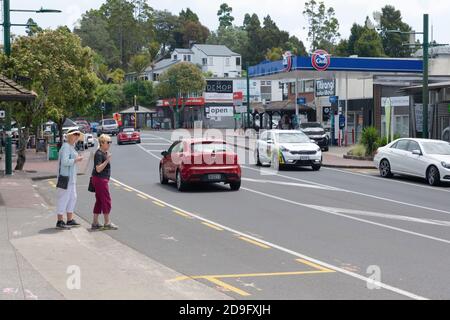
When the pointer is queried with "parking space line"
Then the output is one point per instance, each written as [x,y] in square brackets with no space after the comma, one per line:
[255,243]
[159,204]
[315,266]
[212,226]
[227,286]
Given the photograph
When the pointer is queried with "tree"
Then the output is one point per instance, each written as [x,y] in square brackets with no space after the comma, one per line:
[323,26]
[60,72]
[271,35]
[225,17]
[188,15]
[355,33]
[165,25]
[93,31]
[181,80]
[274,54]
[391,19]
[139,63]
[369,44]
[341,49]
[194,32]
[143,90]
[32,28]
[255,51]
[295,46]
[235,38]
[113,96]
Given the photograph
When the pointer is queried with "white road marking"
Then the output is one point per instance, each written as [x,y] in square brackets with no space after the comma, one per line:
[292,184]
[358,193]
[326,210]
[155,144]
[387,216]
[148,152]
[390,180]
[291,252]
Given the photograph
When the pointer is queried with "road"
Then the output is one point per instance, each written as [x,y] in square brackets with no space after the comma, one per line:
[297,234]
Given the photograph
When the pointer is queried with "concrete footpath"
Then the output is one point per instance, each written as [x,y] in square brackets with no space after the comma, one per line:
[39,262]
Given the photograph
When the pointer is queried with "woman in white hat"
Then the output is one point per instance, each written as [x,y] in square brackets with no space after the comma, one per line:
[67,192]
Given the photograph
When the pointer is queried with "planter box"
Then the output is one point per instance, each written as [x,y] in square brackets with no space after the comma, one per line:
[358,158]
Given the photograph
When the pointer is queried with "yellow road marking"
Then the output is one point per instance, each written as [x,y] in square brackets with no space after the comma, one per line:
[126,189]
[181,213]
[252,275]
[212,226]
[255,243]
[227,286]
[117,185]
[143,197]
[159,204]
[314,265]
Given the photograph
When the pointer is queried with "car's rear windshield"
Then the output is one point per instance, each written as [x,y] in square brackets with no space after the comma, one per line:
[110,122]
[293,138]
[128,130]
[210,147]
[439,148]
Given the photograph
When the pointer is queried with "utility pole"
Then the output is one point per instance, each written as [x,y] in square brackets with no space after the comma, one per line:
[425,93]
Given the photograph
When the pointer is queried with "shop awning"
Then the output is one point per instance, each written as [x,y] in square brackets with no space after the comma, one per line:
[11,91]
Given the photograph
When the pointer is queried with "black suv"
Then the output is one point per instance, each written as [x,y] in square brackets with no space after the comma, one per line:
[316,132]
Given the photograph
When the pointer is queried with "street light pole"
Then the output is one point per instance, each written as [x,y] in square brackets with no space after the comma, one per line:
[248,97]
[425,93]
[7,49]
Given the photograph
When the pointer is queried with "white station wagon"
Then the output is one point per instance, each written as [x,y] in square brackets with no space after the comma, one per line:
[429,159]
[282,148]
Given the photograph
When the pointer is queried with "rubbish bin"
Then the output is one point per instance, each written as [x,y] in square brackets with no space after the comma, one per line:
[52,151]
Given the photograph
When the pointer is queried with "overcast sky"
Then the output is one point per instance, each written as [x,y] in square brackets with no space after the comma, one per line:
[286,13]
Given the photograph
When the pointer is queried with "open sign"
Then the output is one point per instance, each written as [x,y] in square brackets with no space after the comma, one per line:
[221,111]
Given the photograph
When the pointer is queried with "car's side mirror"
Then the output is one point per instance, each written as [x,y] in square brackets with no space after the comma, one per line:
[417,152]
[269,142]
[164,153]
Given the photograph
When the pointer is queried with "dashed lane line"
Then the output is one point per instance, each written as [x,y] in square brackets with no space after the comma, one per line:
[256,243]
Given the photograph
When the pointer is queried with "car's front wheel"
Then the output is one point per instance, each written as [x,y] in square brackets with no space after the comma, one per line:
[433,176]
[162,176]
[385,169]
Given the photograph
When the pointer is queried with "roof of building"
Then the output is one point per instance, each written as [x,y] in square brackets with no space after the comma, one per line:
[161,65]
[434,51]
[215,50]
[11,91]
[140,111]
[182,50]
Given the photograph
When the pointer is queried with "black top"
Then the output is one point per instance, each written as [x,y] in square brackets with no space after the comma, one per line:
[99,158]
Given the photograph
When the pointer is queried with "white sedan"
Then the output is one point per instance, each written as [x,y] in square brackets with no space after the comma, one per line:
[429,159]
[281,148]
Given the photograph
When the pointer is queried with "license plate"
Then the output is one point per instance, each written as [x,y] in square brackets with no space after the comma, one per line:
[304,158]
[214,177]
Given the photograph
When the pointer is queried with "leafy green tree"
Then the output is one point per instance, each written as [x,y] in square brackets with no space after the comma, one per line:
[93,31]
[59,70]
[369,44]
[194,32]
[225,17]
[342,49]
[188,15]
[143,90]
[113,96]
[165,26]
[255,51]
[235,38]
[296,46]
[32,28]
[181,80]
[355,33]
[391,19]
[323,26]
[139,63]
[274,54]
[271,35]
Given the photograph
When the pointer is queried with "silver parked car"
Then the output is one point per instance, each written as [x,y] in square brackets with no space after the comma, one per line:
[429,159]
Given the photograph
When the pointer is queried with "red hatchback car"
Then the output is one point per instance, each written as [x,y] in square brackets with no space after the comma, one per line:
[200,161]
[128,135]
